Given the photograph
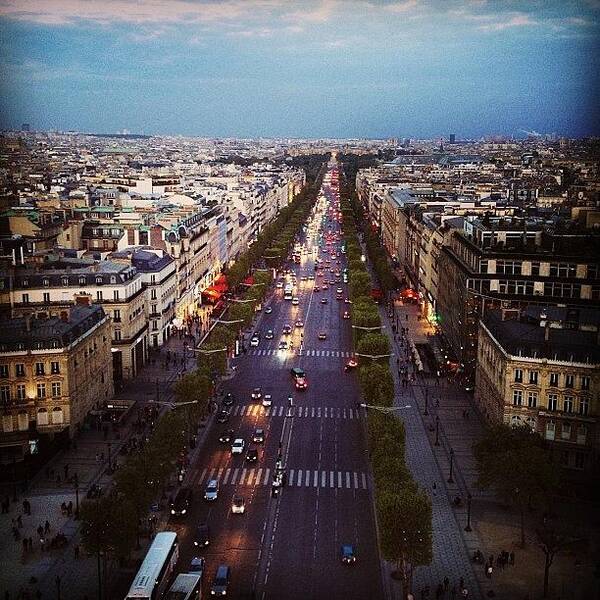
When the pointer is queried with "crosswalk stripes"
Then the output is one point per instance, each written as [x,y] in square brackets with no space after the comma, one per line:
[304,412]
[297,478]
[303,352]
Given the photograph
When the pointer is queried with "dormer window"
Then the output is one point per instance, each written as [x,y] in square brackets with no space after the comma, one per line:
[82,281]
[65,281]
[113,279]
[99,280]
[45,282]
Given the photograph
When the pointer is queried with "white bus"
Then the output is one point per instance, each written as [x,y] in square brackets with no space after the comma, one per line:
[187,586]
[159,562]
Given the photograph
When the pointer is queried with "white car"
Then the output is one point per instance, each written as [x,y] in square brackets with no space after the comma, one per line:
[279,285]
[295,301]
[238,505]
[238,446]
[267,400]
[254,342]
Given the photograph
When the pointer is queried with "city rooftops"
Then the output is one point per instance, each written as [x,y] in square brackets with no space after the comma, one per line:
[527,338]
[27,333]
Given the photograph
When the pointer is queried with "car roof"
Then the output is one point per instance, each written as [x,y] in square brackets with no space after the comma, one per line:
[237,440]
[212,483]
[347,548]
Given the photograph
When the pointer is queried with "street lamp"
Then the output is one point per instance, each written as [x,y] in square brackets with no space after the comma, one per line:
[437,431]
[76,478]
[450,478]
[469,498]
[426,413]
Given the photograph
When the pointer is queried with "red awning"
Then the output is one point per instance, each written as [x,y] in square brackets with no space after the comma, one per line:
[221,284]
[408,293]
[249,280]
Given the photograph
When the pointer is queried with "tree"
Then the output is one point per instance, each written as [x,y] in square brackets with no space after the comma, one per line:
[373,344]
[512,461]
[405,529]
[360,284]
[376,383]
[552,540]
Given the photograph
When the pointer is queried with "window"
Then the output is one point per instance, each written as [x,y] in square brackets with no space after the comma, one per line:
[56,389]
[25,298]
[153,309]
[585,382]
[554,379]
[45,282]
[535,268]
[117,335]
[550,430]
[115,294]
[46,297]
[552,401]
[21,391]
[569,381]
[517,397]
[55,367]
[562,270]
[568,404]
[153,294]
[5,393]
[532,399]
[584,406]
[533,377]
[154,325]
[113,279]
[518,375]
[20,370]
[593,271]
[581,434]
[82,281]
[117,316]
[99,296]
[99,280]
[579,460]
[39,368]
[531,423]
[3,370]
[65,281]
[565,431]
[41,390]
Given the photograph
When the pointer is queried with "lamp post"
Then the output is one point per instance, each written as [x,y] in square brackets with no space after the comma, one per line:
[76,477]
[450,478]
[426,413]
[469,498]
[437,431]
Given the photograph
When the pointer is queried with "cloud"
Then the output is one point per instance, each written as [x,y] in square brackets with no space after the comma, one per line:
[402,7]
[508,21]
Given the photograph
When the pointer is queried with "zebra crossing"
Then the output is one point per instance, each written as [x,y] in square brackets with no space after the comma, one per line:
[320,353]
[308,478]
[301,412]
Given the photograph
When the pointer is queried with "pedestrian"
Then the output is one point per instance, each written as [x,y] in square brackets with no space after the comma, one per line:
[437,403]
[461,584]
[511,559]
[488,571]
[76,551]
[30,543]
[19,522]
[446,583]
[467,415]
[25,545]
[46,526]
[40,531]
[70,508]
[434,488]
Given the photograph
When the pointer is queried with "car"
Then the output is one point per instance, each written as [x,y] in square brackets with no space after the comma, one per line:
[339,297]
[268,310]
[339,291]
[238,446]
[228,399]
[279,285]
[282,345]
[220,583]
[287,329]
[197,565]
[257,393]
[323,300]
[348,301]
[181,504]
[325,285]
[211,491]
[202,536]
[346,315]
[267,400]
[332,271]
[299,324]
[351,364]
[317,288]
[238,505]
[295,301]
[225,437]
[269,335]
[252,455]
[299,377]
[322,335]
[254,342]
[223,416]
[348,554]
[258,437]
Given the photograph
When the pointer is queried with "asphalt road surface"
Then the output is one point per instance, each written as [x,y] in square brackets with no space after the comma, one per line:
[288,546]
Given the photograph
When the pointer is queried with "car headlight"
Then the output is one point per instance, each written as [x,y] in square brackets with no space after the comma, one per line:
[172,511]
[183,511]
[195,543]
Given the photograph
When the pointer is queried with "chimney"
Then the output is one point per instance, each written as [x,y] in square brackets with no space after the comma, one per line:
[64,315]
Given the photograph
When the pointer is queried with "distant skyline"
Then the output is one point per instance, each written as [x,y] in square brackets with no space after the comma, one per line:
[302,68]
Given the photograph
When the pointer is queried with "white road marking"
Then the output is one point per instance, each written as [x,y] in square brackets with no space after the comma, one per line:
[227,474]
[266,479]
[202,476]
[348,480]
[242,477]
[234,477]
[364,481]
[258,476]
[355,481]
[291,477]
[330,479]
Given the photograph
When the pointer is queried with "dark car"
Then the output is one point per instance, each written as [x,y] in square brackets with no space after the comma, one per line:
[252,455]
[229,399]
[221,581]
[348,554]
[287,329]
[202,537]
[223,416]
[227,436]
[182,502]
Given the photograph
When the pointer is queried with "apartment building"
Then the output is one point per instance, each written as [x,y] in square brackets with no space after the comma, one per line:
[53,371]
[540,367]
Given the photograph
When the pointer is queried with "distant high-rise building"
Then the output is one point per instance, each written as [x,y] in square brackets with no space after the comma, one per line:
[25,127]
[453,138]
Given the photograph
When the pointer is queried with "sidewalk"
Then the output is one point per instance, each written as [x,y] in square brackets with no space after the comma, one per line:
[495,527]
[88,458]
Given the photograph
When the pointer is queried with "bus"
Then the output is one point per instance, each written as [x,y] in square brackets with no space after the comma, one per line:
[159,562]
[288,291]
[187,586]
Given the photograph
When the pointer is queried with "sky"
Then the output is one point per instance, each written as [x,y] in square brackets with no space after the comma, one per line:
[302,68]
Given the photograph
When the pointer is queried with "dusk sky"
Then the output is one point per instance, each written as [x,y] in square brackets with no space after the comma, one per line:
[301,68]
